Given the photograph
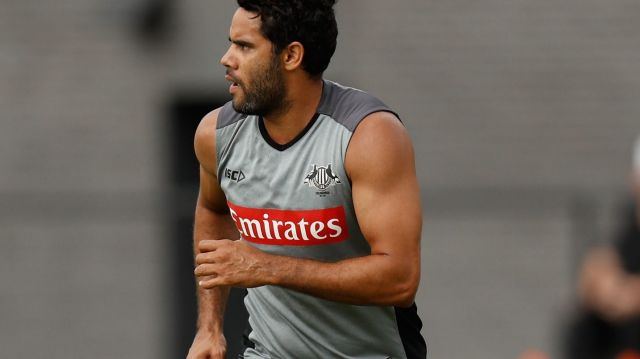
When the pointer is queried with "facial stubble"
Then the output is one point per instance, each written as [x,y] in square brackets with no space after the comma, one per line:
[267,92]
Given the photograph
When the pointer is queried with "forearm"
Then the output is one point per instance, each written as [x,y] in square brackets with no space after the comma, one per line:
[211,307]
[377,279]
[211,302]
[600,273]
[631,294]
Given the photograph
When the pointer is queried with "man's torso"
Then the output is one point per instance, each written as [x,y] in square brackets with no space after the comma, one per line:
[295,200]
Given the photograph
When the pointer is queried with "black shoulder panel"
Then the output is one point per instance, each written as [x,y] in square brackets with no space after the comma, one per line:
[348,106]
[228,116]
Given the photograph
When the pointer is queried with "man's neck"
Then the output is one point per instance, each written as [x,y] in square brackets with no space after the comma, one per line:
[303,99]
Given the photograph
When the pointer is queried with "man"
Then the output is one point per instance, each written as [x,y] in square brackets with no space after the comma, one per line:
[608,324]
[308,197]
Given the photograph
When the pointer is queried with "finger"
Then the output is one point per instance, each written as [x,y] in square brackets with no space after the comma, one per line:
[210,245]
[206,270]
[204,258]
[212,283]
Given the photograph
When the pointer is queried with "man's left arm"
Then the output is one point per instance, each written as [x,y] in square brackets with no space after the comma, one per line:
[380,163]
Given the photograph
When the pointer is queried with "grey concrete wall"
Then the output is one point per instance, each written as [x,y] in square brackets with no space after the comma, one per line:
[506,93]
[509,103]
[81,152]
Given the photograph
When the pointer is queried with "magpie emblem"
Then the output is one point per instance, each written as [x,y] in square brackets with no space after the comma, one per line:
[321,177]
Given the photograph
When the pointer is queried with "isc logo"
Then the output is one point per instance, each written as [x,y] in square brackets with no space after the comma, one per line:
[236,176]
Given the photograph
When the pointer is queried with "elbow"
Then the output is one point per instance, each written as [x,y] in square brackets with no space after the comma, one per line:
[407,297]
[405,293]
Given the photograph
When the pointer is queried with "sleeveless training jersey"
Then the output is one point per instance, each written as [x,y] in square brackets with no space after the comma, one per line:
[295,200]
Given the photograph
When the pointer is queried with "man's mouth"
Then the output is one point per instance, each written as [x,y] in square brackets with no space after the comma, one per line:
[234,83]
[231,79]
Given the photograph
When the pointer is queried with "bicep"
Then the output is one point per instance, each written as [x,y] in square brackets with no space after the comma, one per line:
[211,195]
[381,164]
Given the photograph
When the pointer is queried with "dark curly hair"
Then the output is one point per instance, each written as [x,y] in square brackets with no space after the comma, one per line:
[311,22]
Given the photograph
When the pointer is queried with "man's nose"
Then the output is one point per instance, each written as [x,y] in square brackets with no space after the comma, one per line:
[226,59]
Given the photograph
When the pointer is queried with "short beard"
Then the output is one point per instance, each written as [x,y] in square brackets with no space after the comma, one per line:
[267,93]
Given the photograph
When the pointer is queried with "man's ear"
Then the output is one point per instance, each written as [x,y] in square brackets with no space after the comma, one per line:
[292,56]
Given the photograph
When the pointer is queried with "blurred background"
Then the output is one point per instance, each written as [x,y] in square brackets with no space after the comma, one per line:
[523,115]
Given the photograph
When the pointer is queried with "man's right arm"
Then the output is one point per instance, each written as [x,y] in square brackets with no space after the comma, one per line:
[212,221]
[606,287]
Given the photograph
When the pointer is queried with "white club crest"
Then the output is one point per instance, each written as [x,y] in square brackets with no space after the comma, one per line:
[321,177]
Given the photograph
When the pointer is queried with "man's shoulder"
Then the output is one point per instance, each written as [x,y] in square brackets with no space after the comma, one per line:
[219,118]
[204,141]
[380,149]
[208,124]
[348,105]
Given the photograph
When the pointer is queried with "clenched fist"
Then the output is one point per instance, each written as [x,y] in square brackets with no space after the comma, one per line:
[231,263]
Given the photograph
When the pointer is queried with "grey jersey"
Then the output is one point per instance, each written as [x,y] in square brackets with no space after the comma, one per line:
[295,200]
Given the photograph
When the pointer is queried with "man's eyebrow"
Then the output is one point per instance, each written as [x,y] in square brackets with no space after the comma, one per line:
[240,42]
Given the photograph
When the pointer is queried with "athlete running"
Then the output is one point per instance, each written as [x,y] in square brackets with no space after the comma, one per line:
[324,225]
